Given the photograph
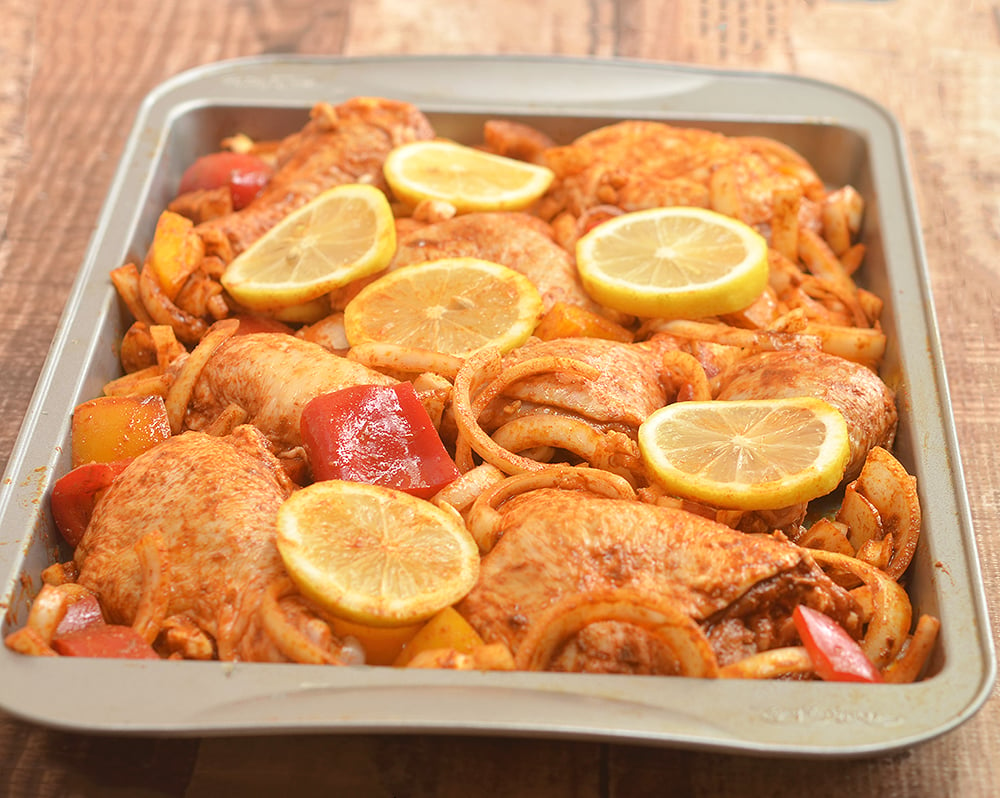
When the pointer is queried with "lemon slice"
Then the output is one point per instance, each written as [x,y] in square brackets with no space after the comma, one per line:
[467,178]
[754,454]
[344,233]
[676,262]
[374,555]
[451,305]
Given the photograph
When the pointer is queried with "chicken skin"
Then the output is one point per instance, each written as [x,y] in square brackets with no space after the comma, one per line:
[183,545]
[634,165]
[627,389]
[741,589]
[270,377]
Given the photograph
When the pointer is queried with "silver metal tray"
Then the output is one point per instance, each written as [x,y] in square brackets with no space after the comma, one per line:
[847,137]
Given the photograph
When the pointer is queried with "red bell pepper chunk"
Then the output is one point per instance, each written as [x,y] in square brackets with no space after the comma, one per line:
[104,640]
[75,494]
[84,612]
[245,175]
[836,655]
[377,434]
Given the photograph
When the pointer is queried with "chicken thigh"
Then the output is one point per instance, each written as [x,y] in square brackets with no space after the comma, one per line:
[637,164]
[741,589]
[346,143]
[867,403]
[519,241]
[182,546]
[270,377]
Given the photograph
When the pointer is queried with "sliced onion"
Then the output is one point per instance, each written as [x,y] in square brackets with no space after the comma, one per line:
[408,359]
[484,518]
[477,383]
[180,391]
[892,614]
[152,607]
[656,615]
[287,638]
[772,664]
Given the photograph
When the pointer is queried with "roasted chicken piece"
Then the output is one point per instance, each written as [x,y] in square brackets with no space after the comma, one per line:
[586,396]
[867,403]
[519,241]
[182,548]
[346,143]
[553,544]
[265,379]
[628,386]
[515,140]
[634,165]
[340,144]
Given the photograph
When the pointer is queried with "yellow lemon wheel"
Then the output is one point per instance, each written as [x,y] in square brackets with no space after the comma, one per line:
[466,178]
[751,454]
[374,555]
[452,305]
[345,233]
[676,262]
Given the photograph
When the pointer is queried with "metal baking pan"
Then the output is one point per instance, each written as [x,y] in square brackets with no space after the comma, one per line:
[847,137]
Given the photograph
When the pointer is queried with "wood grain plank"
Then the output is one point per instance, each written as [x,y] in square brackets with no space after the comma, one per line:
[383,766]
[16,37]
[564,27]
[45,763]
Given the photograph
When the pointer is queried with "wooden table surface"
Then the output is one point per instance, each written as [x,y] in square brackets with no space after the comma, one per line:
[72,74]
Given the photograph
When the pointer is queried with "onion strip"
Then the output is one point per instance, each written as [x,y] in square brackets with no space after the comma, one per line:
[286,637]
[468,403]
[484,518]
[656,615]
[180,391]
[772,664]
[381,356]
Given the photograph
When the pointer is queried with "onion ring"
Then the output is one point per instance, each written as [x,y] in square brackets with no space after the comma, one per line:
[468,403]
[655,615]
[612,451]
[463,492]
[484,517]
